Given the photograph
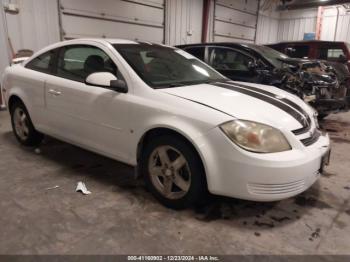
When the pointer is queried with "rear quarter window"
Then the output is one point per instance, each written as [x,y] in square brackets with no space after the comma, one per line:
[330,53]
[42,63]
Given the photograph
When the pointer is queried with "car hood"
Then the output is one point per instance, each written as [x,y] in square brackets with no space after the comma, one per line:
[254,102]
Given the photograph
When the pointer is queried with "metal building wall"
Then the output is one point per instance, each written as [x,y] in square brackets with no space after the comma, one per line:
[4,50]
[35,26]
[293,24]
[130,19]
[268,20]
[235,20]
[183,23]
[336,24]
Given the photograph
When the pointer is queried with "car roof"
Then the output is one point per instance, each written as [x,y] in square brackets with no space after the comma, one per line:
[231,44]
[309,42]
[101,40]
[96,40]
[77,41]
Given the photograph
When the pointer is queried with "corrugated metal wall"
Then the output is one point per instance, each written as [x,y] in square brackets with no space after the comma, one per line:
[235,20]
[183,23]
[293,24]
[333,28]
[37,23]
[268,21]
[35,26]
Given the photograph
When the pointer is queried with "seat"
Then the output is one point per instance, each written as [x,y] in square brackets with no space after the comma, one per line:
[93,63]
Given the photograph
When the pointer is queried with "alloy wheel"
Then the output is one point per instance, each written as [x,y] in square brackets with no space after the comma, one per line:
[21,125]
[169,172]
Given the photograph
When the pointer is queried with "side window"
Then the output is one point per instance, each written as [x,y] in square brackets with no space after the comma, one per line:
[78,62]
[196,51]
[330,53]
[298,51]
[229,59]
[42,63]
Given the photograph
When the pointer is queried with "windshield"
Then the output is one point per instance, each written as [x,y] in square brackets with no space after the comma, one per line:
[162,67]
[273,56]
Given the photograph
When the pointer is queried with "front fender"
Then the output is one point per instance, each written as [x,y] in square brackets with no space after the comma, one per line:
[190,130]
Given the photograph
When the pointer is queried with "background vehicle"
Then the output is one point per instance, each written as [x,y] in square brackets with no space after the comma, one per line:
[143,104]
[331,51]
[311,80]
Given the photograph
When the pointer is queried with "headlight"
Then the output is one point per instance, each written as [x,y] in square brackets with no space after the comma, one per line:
[255,137]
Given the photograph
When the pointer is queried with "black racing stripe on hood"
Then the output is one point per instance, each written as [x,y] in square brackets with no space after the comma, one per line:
[285,100]
[277,103]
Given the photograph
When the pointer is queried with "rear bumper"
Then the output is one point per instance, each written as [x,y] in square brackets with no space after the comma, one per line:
[234,172]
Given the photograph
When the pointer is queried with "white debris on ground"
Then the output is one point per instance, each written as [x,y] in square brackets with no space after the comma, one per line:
[82,188]
[54,187]
[37,150]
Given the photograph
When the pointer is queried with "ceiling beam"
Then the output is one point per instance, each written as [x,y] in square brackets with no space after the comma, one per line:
[310,4]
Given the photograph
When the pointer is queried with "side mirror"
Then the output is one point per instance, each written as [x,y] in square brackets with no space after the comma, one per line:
[102,79]
[119,86]
[106,80]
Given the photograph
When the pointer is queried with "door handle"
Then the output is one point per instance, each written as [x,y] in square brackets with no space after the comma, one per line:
[54,92]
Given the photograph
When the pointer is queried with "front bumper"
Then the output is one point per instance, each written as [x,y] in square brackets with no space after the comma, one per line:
[234,172]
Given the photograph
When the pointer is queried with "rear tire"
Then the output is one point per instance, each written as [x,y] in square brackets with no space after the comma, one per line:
[173,172]
[22,126]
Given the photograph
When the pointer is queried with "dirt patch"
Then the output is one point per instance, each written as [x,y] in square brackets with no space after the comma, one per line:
[348,212]
[310,202]
[339,139]
[315,234]
[340,224]
[264,224]
[334,126]
[338,130]
[279,219]
[328,174]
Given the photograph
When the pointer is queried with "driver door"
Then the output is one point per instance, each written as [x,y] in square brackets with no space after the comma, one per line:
[232,64]
[90,116]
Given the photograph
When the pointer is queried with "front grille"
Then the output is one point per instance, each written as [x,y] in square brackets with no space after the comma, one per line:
[312,139]
[263,189]
[306,127]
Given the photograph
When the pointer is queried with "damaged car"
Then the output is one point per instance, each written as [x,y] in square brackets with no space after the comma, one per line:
[323,86]
[186,128]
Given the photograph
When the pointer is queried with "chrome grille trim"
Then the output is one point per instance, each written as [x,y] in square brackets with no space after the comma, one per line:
[312,139]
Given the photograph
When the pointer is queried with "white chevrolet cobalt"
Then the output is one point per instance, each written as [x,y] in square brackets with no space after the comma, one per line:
[187,128]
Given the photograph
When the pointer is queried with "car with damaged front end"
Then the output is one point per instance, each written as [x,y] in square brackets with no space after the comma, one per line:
[186,128]
[323,86]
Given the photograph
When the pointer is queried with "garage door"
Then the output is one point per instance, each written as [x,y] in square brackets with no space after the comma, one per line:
[235,20]
[136,19]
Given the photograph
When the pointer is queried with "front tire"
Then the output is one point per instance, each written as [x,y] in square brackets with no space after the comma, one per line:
[173,172]
[22,126]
